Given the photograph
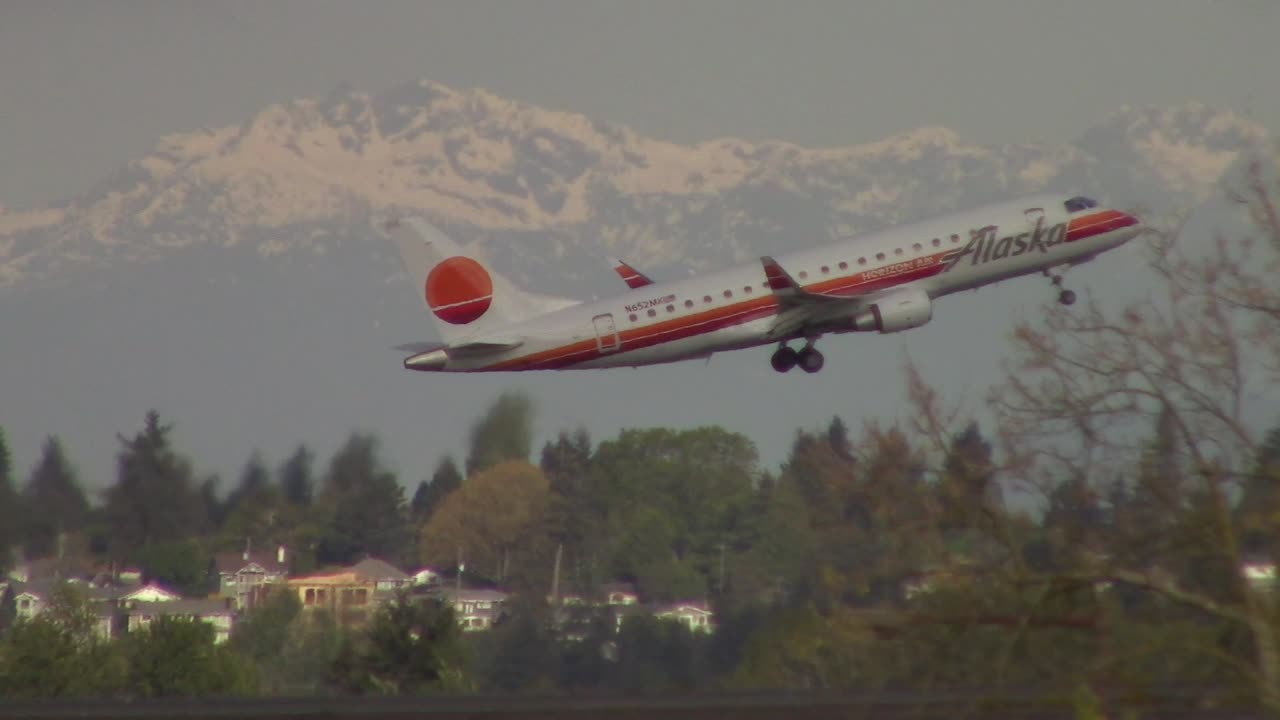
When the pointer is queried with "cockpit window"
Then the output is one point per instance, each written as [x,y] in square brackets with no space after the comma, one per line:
[1080,202]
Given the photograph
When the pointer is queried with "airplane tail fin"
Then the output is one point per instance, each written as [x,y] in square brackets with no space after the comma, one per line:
[465,296]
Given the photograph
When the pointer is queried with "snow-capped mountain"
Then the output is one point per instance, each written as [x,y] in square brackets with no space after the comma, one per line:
[523,177]
[232,280]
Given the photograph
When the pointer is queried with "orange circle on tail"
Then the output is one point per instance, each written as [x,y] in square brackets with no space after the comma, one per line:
[459,290]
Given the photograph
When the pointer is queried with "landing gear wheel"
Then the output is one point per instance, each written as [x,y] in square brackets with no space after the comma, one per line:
[784,358]
[1067,297]
[810,360]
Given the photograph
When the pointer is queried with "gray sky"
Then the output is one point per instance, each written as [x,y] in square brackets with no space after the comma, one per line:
[86,86]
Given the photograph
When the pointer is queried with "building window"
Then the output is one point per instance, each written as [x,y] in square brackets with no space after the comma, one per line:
[362,597]
[310,597]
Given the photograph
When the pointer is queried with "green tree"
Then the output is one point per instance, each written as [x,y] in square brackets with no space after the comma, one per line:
[254,509]
[494,519]
[153,499]
[429,495]
[296,483]
[54,505]
[10,512]
[177,657]
[182,565]
[57,654]
[409,648]
[504,433]
[366,505]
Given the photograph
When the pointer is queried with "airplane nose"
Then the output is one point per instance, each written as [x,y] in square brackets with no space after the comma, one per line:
[427,361]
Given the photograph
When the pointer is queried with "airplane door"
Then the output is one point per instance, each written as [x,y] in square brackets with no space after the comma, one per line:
[606,333]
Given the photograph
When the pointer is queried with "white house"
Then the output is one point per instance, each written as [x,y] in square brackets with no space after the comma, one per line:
[695,616]
[475,609]
[385,576]
[243,576]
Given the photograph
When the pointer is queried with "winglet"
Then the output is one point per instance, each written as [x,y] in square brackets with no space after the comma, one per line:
[632,277]
[780,281]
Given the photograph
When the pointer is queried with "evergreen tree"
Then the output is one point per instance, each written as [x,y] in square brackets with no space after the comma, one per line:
[54,506]
[10,512]
[969,493]
[429,494]
[409,648]
[504,433]
[153,500]
[295,478]
[367,506]
[253,508]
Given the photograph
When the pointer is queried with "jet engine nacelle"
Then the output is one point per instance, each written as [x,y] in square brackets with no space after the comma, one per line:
[897,310]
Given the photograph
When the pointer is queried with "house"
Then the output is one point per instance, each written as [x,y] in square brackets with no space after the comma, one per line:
[32,599]
[215,611]
[695,616]
[151,592]
[243,576]
[386,577]
[619,593]
[426,576]
[344,592]
[1260,573]
[476,609]
[52,568]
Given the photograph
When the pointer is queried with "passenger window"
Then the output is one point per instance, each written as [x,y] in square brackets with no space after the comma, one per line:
[728,293]
[897,251]
[936,242]
[653,313]
[688,303]
[633,317]
[862,261]
[671,308]
[955,238]
[747,290]
[706,298]
[804,274]
[844,265]
[825,269]
[917,247]
[879,256]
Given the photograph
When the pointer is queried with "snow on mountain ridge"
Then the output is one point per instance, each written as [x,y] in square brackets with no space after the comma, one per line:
[472,159]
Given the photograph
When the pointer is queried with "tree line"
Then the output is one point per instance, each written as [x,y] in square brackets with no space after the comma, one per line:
[1107,529]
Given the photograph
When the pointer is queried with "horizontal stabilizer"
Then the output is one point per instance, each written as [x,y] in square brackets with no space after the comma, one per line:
[483,346]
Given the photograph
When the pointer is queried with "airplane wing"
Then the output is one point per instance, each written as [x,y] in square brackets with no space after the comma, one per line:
[803,309]
[632,277]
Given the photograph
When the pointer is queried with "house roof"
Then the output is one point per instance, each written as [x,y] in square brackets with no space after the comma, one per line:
[230,563]
[469,594]
[378,569]
[616,587]
[185,606]
[340,576]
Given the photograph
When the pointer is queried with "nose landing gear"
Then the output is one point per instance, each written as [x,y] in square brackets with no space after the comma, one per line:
[1065,296]
[808,358]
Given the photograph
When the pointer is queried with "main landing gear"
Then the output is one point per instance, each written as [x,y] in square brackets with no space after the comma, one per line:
[808,358]
[1065,296]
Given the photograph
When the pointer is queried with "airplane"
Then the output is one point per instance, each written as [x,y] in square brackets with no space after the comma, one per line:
[883,282]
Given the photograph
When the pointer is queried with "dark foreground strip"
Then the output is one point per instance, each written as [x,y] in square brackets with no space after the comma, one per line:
[750,706]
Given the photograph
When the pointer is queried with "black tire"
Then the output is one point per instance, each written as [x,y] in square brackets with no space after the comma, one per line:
[784,358]
[811,360]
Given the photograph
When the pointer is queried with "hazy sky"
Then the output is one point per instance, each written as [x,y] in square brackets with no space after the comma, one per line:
[86,86]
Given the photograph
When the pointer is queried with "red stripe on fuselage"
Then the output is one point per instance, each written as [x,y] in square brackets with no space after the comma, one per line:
[723,317]
[1088,226]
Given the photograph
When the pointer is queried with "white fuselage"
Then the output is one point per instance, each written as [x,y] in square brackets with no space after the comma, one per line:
[735,307]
